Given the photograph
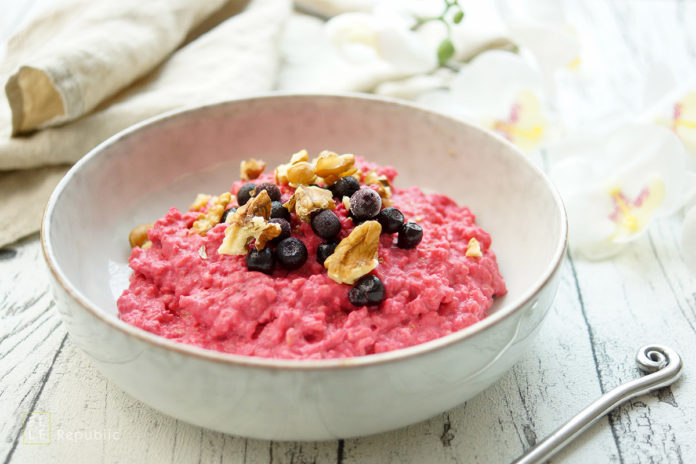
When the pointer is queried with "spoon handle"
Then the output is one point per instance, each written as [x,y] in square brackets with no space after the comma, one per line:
[664,366]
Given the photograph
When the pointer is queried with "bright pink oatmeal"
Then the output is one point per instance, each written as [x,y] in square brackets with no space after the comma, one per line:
[213,301]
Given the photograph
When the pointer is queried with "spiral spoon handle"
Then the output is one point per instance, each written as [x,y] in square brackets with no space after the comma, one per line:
[663,366]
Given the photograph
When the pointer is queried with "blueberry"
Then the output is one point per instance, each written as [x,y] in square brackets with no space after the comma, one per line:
[279,211]
[345,187]
[391,219]
[410,235]
[226,213]
[270,188]
[291,253]
[365,204]
[285,230]
[244,193]
[324,250]
[260,260]
[368,291]
[326,224]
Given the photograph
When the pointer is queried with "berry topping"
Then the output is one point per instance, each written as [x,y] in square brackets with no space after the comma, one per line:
[226,213]
[391,219]
[244,193]
[291,253]
[285,230]
[270,188]
[410,235]
[368,291]
[326,224]
[260,260]
[345,187]
[365,204]
[279,211]
[324,250]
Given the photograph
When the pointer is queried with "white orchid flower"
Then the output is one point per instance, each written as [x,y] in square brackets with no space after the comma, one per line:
[677,111]
[500,91]
[613,195]
[540,28]
[382,41]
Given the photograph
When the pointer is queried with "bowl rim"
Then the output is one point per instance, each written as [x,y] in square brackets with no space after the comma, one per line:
[160,342]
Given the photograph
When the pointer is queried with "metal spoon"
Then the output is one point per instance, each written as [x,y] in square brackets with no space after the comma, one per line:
[664,366]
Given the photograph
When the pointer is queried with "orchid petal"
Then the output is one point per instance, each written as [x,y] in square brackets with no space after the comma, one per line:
[554,47]
[613,195]
[490,84]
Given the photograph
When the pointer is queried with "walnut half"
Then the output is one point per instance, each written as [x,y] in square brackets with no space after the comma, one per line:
[251,169]
[307,200]
[249,222]
[355,255]
[211,218]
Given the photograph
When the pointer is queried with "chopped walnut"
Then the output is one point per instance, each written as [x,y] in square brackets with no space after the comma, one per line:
[281,172]
[307,200]
[346,202]
[201,200]
[138,236]
[355,255]
[202,253]
[382,184]
[249,222]
[251,169]
[332,166]
[301,173]
[473,249]
[211,218]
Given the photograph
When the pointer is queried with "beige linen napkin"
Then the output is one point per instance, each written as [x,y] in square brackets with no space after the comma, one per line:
[75,54]
[237,57]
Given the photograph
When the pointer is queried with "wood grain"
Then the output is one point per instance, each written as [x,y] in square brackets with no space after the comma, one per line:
[603,312]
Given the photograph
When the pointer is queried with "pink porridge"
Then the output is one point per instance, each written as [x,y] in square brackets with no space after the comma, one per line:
[336,280]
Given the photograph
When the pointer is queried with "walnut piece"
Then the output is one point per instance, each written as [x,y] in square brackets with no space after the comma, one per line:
[200,201]
[247,223]
[355,255]
[251,169]
[473,249]
[332,166]
[138,236]
[211,218]
[382,184]
[307,200]
[281,172]
[301,173]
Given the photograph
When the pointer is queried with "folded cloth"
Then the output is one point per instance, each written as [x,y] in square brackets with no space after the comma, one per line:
[237,57]
[76,54]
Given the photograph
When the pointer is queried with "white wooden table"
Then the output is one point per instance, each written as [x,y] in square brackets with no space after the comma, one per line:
[603,312]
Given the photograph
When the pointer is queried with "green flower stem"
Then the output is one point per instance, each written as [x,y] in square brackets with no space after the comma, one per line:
[445,50]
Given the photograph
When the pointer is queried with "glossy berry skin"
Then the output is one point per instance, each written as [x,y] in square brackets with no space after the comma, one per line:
[291,253]
[391,220]
[260,260]
[285,230]
[244,193]
[367,291]
[326,224]
[272,190]
[226,213]
[365,204]
[279,211]
[324,250]
[410,235]
[345,187]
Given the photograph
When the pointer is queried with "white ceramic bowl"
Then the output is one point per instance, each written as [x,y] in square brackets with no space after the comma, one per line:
[139,174]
